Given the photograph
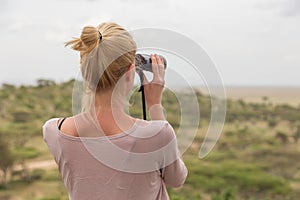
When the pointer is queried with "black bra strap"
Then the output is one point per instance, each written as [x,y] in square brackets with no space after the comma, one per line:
[60,123]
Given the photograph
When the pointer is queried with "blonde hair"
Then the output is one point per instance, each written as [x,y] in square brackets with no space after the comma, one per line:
[106,52]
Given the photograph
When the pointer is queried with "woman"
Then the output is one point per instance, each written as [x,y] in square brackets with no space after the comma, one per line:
[102,152]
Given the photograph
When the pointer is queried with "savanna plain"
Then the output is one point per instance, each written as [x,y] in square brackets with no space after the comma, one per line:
[257,156]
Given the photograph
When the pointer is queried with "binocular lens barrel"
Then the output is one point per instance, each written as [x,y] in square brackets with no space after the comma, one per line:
[143,62]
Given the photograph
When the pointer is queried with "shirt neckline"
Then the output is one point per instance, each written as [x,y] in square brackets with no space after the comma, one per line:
[79,138]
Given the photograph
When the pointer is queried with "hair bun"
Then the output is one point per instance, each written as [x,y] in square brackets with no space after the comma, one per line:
[89,36]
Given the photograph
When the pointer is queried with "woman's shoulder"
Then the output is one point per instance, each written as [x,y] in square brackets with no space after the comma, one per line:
[161,125]
[54,125]
[49,127]
[50,123]
[156,129]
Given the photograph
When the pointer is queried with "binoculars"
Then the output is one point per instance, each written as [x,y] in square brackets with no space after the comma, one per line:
[143,62]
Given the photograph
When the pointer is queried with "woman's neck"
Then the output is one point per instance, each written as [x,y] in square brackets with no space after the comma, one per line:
[110,114]
[107,101]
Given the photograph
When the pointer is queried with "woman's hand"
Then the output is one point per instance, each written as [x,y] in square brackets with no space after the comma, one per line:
[154,89]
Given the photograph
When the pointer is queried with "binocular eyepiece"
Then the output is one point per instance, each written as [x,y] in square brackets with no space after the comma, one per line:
[143,62]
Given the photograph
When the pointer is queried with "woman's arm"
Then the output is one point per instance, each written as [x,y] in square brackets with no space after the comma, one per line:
[156,112]
[174,175]
[174,171]
[154,89]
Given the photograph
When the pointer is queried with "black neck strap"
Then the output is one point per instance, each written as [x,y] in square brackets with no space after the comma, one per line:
[141,74]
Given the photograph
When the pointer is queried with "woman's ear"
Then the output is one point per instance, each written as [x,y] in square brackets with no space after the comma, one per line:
[129,72]
[131,67]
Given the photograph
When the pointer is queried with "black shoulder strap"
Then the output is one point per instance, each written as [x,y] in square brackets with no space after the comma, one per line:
[60,123]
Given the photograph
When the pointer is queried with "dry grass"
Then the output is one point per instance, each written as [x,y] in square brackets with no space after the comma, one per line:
[276,95]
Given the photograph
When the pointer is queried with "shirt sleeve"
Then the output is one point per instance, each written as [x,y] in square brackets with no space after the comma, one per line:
[50,138]
[174,174]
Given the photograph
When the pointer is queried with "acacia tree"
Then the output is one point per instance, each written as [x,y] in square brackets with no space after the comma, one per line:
[6,159]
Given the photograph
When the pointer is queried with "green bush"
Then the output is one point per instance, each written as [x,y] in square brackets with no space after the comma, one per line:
[227,194]
[24,153]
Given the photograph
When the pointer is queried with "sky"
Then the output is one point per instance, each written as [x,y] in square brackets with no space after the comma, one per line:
[251,42]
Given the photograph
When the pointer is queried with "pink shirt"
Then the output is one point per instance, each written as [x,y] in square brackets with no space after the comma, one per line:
[146,160]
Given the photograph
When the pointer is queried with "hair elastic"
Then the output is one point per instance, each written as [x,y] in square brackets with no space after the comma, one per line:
[100,36]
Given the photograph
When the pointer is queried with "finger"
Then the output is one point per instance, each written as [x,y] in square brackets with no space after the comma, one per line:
[154,67]
[160,63]
[162,60]
[161,71]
